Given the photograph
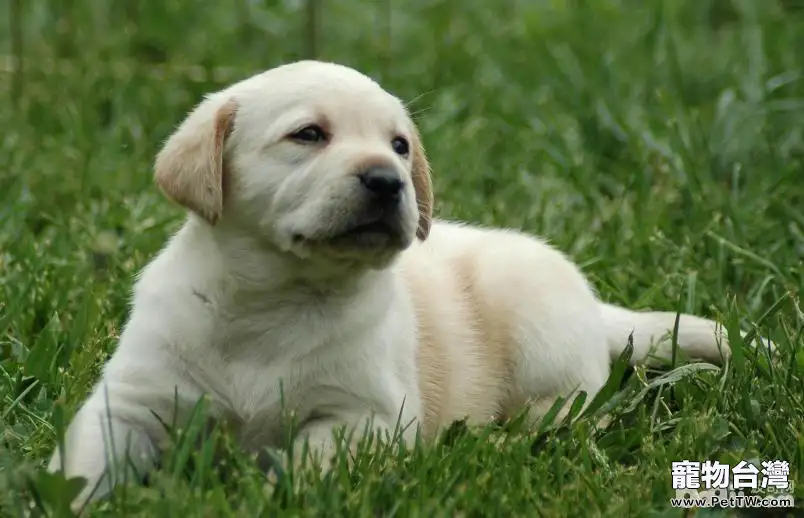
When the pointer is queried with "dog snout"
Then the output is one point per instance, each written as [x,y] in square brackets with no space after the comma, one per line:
[383,182]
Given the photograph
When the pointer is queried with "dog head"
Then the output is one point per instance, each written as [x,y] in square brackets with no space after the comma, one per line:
[315,158]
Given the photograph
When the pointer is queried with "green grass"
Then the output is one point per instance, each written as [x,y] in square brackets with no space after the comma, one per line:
[660,144]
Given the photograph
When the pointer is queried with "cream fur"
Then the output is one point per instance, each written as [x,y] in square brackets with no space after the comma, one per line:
[464,322]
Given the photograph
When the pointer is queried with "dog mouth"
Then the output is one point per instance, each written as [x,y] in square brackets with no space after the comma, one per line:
[373,227]
[373,234]
[379,233]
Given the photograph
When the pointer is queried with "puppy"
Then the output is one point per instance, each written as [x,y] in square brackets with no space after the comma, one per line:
[310,274]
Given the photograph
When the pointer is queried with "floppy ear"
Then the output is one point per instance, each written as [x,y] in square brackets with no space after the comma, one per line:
[423,185]
[189,168]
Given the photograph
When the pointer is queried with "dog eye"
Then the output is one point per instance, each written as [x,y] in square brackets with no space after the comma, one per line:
[401,146]
[309,134]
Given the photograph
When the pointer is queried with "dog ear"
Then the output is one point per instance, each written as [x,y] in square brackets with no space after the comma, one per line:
[423,185]
[189,168]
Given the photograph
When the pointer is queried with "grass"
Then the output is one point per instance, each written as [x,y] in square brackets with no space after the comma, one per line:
[658,143]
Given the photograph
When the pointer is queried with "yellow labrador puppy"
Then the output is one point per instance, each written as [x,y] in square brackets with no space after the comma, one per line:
[309,271]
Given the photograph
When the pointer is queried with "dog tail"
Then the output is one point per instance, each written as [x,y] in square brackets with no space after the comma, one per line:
[653,331]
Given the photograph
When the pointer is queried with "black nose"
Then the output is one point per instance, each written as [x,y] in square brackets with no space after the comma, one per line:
[382,181]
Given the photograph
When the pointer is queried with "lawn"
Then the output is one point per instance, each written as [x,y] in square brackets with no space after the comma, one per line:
[660,144]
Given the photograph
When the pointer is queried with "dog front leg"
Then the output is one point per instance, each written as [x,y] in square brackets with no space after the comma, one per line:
[116,434]
[108,441]
[322,432]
